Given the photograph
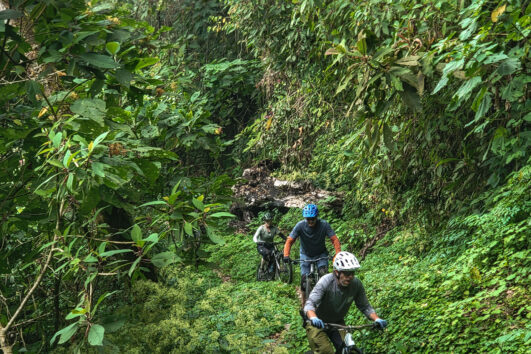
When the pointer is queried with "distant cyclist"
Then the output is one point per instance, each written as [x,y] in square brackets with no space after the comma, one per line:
[263,237]
[330,301]
[312,233]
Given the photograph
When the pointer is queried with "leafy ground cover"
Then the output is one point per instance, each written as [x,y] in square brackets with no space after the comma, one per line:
[463,289]
[125,123]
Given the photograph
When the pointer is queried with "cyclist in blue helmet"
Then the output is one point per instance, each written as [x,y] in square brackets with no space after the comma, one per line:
[312,232]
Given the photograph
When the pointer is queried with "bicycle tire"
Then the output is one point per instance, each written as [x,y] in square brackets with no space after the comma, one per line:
[283,271]
[260,274]
[308,287]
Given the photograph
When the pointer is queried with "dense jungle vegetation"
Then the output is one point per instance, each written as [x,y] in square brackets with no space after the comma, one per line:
[124,125]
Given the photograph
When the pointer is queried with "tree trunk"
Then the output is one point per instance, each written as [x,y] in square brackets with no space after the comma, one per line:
[6,348]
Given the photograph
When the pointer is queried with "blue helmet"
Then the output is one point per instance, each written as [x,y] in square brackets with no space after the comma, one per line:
[310,211]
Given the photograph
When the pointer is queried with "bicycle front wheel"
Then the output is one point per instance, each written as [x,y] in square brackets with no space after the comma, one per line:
[284,271]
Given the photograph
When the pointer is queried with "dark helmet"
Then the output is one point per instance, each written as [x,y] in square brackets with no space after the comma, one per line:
[267,216]
[310,211]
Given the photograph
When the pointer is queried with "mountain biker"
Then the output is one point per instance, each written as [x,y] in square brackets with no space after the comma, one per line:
[313,233]
[330,301]
[264,235]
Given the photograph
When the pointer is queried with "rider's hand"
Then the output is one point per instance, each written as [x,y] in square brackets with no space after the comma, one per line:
[381,323]
[287,260]
[316,322]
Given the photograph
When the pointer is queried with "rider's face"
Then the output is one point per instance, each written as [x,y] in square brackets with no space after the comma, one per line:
[311,221]
[345,278]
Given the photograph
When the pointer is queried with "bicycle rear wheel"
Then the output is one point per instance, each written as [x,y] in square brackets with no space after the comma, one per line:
[261,272]
[308,286]
[284,271]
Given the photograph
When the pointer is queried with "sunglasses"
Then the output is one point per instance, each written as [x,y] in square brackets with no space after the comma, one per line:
[311,219]
[348,273]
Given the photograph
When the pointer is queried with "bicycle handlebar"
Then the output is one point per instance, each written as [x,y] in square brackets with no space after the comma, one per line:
[373,325]
[310,260]
[351,328]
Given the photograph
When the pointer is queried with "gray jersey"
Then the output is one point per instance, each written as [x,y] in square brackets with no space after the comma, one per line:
[312,238]
[262,235]
[331,302]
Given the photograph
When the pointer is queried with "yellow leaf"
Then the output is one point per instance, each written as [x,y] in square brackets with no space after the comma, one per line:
[268,123]
[207,209]
[496,13]
[90,146]
[42,112]
[166,198]
[331,51]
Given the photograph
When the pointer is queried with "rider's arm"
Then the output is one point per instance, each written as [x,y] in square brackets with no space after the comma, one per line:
[362,303]
[256,234]
[335,242]
[373,316]
[287,246]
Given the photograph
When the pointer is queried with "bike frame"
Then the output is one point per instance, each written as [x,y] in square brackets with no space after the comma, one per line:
[348,343]
[313,275]
[349,346]
[280,269]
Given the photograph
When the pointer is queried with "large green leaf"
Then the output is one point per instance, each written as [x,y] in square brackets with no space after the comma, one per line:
[136,233]
[198,204]
[150,169]
[99,60]
[222,214]
[214,238]
[163,259]
[516,88]
[10,14]
[113,252]
[96,334]
[143,62]
[188,228]
[509,66]
[112,47]
[411,98]
[124,77]
[465,89]
[65,333]
[482,109]
[91,108]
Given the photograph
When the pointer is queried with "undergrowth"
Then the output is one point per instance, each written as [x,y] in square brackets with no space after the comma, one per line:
[462,289]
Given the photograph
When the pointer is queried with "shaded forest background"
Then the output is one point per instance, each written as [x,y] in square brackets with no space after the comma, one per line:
[124,125]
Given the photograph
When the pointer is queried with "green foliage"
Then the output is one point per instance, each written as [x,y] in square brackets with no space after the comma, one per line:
[404,104]
[463,289]
[194,311]
[85,140]
[119,139]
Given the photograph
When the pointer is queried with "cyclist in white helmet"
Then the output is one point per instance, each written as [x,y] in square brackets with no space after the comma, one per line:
[330,301]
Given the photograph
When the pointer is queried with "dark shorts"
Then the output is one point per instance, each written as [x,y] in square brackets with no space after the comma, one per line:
[265,249]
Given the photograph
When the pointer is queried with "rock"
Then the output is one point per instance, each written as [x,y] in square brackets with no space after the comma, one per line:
[260,191]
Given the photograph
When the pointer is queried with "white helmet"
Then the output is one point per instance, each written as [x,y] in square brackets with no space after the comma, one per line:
[346,261]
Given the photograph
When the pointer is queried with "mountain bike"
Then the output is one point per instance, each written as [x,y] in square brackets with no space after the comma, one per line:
[275,268]
[349,346]
[313,277]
